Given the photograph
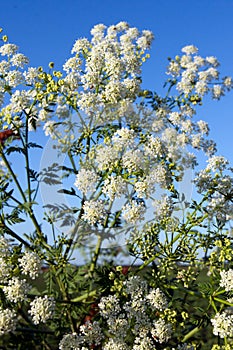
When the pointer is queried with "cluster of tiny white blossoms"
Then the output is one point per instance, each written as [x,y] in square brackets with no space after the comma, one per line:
[129,166]
[9,67]
[217,180]
[8,320]
[137,316]
[134,315]
[5,263]
[185,346]
[42,309]
[113,64]
[90,334]
[223,325]
[197,75]
[101,79]
[161,331]
[124,137]
[114,187]
[86,180]
[30,264]
[133,212]
[94,211]
[12,78]
[163,207]
[157,299]
[227,280]
[72,342]
[16,290]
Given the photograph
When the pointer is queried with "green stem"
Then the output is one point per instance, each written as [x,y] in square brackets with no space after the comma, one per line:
[27,160]
[146,263]
[96,254]
[13,175]
[84,296]
[13,234]
[190,334]
[65,297]
[213,304]
[29,209]
[187,291]
[72,161]
[223,301]
[220,292]
[99,242]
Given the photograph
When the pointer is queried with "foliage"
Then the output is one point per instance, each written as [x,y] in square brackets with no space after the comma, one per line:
[158,265]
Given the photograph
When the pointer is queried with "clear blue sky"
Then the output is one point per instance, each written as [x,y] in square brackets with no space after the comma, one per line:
[46,31]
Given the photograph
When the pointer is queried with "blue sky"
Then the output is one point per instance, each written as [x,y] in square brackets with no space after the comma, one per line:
[46,31]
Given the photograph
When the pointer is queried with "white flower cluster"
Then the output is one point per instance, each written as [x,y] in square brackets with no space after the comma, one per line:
[133,160]
[227,280]
[5,249]
[90,335]
[157,299]
[143,343]
[135,315]
[124,138]
[161,331]
[145,186]
[115,344]
[114,187]
[16,290]
[109,64]
[163,207]
[217,163]
[94,211]
[8,49]
[109,305]
[5,264]
[185,346]
[31,75]
[223,325]
[217,180]
[86,180]
[30,264]
[10,74]
[135,286]
[154,147]
[106,157]
[5,270]
[42,309]
[49,128]
[133,212]
[198,75]
[7,321]
[72,342]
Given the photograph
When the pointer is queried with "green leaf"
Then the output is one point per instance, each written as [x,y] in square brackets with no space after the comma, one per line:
[70,192]
[33,145]
[16,149]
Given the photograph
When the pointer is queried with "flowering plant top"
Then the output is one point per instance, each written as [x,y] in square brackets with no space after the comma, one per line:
[124,151]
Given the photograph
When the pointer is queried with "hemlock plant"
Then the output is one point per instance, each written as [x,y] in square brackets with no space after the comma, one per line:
[126,151]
